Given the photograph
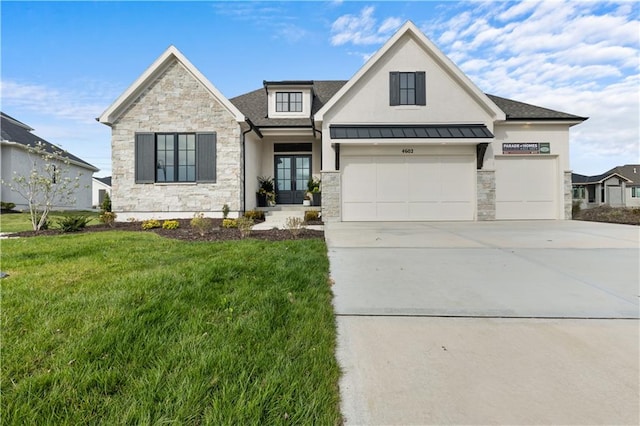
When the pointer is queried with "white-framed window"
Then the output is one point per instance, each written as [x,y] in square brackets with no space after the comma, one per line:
[288,101]
[635,191]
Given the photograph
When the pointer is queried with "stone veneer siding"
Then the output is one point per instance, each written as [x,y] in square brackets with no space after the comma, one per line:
[568,195]
[176,102]
[486,194]
[331,196]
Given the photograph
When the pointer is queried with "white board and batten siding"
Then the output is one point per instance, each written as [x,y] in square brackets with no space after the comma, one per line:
[423,184]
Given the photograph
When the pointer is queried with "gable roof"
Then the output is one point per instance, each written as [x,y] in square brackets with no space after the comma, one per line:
[106,180]
[629,171]
[254,104]
[521,111]
[111,114]
[16,132]
[409,29]
[579,179]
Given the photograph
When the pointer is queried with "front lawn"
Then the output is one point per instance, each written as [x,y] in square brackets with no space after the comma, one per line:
[17,222]
[132,328]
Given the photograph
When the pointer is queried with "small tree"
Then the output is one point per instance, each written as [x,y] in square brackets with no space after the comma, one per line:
[48,182]
[106,203]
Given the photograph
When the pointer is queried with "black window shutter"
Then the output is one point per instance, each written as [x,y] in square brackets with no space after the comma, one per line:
[205,157]
[394,88]
[145,158]
[421,89]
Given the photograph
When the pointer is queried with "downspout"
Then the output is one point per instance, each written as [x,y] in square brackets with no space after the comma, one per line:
[244,160]
[313,127]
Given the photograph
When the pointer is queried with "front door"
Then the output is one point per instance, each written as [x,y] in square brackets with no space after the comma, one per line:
[292,174]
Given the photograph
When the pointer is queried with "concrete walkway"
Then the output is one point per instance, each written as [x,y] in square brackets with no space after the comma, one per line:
[486,323]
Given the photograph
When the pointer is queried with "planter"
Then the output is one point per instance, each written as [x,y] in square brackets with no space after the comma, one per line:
[306,202]
[261,199]
[317,198]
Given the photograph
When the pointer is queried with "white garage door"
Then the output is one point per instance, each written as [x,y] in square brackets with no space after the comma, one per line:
[526,188]
[388,188]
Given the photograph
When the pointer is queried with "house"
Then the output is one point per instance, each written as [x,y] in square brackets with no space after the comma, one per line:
[618,187]
[99,187]
[408,138]
[17,137]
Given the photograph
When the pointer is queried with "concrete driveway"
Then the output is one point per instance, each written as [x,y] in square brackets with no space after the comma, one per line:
[487,323]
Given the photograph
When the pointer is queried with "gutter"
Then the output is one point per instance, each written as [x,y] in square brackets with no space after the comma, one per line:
[244,160]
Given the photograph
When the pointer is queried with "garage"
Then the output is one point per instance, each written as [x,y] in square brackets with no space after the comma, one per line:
[526,188]
[408,188]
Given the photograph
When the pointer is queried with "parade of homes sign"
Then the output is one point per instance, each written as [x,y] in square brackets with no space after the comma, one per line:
[526,148]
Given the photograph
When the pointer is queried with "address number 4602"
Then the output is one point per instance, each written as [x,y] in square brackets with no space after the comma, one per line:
[407,150]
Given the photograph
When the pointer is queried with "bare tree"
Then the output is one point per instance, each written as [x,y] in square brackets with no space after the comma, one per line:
[46,184]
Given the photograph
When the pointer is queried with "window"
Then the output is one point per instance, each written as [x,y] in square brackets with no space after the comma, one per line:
[288,101]
[578,192]
[407,88]
[635,191]
[175,157]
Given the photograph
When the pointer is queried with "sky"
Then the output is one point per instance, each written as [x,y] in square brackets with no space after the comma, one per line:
[63,63]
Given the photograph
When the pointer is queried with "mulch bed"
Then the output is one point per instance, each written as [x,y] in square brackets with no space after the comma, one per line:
[185,232]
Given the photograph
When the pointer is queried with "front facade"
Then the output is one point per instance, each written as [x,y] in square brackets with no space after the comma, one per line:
[618,187]
[17,138]
[408,138]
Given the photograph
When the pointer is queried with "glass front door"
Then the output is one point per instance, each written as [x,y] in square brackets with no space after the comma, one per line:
[292,174]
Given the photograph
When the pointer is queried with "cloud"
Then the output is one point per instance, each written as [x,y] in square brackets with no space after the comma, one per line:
[578,57]
[362,29]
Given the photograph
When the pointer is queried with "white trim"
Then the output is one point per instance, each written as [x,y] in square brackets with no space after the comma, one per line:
[114,111]
[56,156]
[410,29]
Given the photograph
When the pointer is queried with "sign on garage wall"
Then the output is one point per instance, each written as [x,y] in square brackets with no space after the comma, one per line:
[526,148]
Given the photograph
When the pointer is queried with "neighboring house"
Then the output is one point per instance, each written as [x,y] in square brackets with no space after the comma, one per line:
[15,143]
[100,187]
[408,137]
[619,187]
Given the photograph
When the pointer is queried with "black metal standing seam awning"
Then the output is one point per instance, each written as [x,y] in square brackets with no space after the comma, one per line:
[455,131]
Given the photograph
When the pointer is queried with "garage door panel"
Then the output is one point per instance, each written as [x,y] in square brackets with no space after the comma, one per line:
[526,188]
[390,178]
[410,188]
[357,177]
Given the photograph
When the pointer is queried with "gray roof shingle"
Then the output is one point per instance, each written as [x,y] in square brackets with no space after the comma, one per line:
[254,106]
[12,130]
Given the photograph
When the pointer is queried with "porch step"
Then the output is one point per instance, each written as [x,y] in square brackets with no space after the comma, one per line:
[276,217]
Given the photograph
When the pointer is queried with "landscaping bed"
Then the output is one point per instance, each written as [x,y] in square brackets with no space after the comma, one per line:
[186,232]
[624,215]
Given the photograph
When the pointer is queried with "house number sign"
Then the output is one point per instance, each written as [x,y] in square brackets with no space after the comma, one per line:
[407,150]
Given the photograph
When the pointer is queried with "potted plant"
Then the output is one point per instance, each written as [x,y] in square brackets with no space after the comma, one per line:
[313,186]
[307,200]
[266,194]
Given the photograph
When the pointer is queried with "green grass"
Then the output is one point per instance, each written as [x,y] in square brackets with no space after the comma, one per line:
[131,328]
[17,222]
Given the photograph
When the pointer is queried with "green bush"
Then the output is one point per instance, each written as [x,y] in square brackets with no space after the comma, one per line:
[151,224]
[108,218]
[73,223]
[106,203]
[170,224]
[311,215]
[575,209]
[201,224]
[229,223]
[254,215]
[7,206]
[225,211]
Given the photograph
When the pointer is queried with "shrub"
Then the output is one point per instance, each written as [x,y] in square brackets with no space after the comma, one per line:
[73,223]
[575,209]
[311,215]
[244,225]
[313,184]
[151,224]
[225,211]
[201,224]
[294,225]
[254,215]
[170,224]
[229,223]
[105,206]
[7,206]
[108,218]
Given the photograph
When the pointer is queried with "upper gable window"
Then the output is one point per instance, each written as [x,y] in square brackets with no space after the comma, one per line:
[407,88]
[288,101]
